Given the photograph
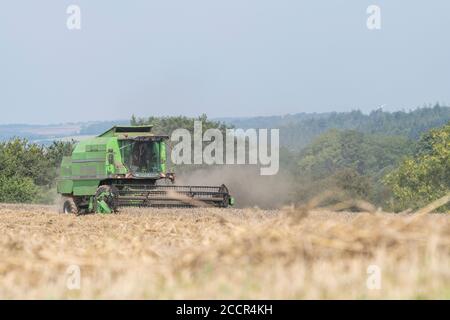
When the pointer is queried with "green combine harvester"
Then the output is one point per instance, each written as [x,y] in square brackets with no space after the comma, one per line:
[126,166]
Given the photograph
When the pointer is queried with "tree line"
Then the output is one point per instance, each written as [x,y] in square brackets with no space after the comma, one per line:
[395,168]
[28,171]
[297,131]
[394,160]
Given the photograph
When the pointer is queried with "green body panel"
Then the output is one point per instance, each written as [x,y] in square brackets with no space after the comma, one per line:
[155,147]
[85,187]
[162,156]
[100,158]
[65,186]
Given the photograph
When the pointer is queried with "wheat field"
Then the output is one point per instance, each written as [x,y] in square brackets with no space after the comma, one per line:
[205,253]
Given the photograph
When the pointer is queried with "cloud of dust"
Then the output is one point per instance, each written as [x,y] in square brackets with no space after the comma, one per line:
[244,183]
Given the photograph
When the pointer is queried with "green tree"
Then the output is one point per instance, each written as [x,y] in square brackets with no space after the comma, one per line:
[166,125]
[28,170]
[57,150]
[425,176]
[297,131]
[20,190]
[352,161]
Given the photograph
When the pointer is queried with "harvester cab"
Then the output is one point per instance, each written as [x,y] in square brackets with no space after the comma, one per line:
[124,167]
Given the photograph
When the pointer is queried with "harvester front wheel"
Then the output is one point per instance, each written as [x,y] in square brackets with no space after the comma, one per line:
[106,199]
[69,206]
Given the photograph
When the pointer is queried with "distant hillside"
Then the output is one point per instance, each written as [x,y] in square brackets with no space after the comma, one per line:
[272,121]
[37,132]
[45,134]
[96,128]
[298,130]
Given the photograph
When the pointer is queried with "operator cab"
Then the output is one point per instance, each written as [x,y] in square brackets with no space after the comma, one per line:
[143,156]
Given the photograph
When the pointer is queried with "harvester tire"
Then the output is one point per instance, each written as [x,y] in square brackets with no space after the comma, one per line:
[69,206]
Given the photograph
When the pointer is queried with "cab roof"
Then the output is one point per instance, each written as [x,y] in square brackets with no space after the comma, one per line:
[125,132]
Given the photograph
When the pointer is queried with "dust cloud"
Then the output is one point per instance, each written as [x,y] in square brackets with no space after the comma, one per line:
[244,183]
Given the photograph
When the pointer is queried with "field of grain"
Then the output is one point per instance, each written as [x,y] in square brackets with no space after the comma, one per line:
[222,253]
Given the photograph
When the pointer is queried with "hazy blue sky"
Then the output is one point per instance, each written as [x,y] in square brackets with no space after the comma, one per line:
[221,57]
